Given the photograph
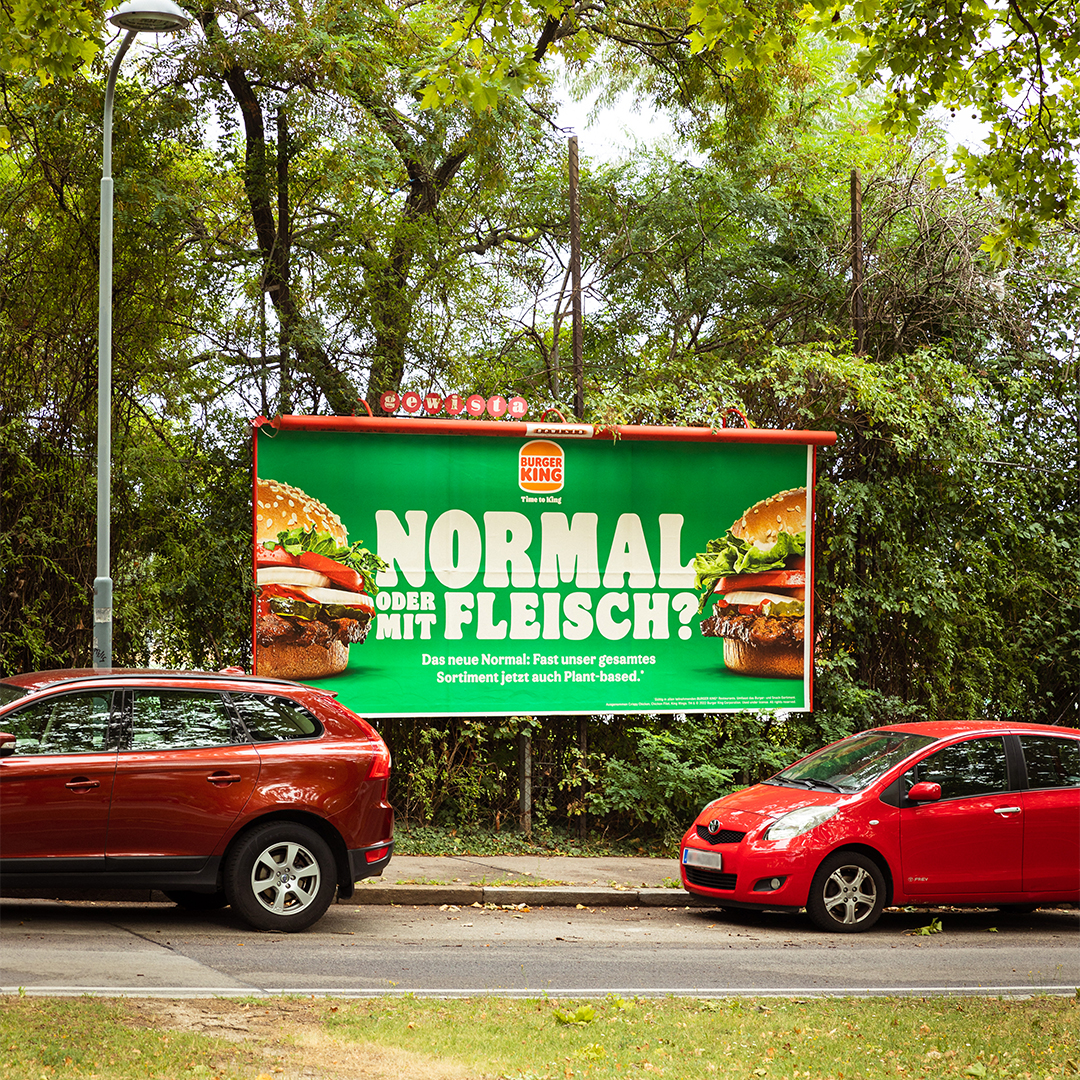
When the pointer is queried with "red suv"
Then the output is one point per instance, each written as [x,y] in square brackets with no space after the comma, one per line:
[214,788]
[919,814]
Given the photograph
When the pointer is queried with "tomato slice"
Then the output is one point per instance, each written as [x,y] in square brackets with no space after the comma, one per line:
[342,576]
[768,579]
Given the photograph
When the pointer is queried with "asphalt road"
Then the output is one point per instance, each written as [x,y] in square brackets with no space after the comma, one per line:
[49,947]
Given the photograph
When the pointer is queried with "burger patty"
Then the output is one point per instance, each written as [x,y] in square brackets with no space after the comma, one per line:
[274,629]
[754,629]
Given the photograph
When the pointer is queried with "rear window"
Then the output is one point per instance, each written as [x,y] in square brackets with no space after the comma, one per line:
[1052,761]
[274,719]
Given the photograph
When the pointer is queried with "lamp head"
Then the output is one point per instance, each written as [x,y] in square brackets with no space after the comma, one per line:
[155,16]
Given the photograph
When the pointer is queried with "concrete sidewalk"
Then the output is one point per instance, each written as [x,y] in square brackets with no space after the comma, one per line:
[503,880]
[552,881]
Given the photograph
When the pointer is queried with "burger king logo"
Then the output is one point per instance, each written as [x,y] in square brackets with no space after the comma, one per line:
[540,467]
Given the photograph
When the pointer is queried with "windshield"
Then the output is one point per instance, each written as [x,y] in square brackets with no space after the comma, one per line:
[853,764]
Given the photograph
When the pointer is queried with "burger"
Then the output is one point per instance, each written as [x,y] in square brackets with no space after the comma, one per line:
[755,577]
[314,589]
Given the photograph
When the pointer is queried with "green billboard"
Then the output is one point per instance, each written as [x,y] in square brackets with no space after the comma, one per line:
[504,568]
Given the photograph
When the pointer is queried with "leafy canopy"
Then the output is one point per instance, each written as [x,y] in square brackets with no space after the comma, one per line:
[1012,68]
[49,39]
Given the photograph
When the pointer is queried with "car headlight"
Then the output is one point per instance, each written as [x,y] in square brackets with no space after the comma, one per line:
[799,821]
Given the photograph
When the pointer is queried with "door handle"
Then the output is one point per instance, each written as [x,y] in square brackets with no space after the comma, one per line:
[1007,810]
[81,783]
[223,778]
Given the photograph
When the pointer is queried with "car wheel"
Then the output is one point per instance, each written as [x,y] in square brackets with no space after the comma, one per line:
[847,893]
[281,876]
[198,901]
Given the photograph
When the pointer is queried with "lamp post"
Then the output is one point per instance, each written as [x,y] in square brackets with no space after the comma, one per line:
[135,16]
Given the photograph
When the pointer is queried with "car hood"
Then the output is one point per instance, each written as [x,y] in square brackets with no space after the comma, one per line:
[762,803]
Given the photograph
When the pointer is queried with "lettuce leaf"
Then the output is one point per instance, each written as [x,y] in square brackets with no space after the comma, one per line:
[357,557]
[728,555]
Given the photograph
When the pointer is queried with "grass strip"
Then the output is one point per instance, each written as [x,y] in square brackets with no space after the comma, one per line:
[541,1039]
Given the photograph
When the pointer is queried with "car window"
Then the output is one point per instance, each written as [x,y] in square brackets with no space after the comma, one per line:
[274,719]
[173,719]
[974,767]
[62,724]
[1052,762]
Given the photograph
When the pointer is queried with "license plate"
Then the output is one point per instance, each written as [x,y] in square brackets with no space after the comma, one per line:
[694,857]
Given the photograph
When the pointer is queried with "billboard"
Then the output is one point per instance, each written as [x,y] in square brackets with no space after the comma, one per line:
[505,568]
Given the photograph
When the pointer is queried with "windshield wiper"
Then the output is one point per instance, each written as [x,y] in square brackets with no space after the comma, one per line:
[826,784]
[809,782]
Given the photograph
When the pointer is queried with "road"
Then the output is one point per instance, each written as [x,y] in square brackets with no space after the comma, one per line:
[50,947]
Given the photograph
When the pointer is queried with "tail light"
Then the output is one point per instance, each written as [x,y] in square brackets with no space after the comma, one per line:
[380,767]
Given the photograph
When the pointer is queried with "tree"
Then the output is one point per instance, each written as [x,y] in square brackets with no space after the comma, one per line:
[1009,67]
[361,207]
[181,508]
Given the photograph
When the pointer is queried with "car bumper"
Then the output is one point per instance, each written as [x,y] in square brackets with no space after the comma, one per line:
[370,861]
[750,875]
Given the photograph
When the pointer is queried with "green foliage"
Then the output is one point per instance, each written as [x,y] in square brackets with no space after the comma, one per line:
[1009,68]
[933,927]
[456,772]
[48,39]
[181,504]
[583,1014]
[338,236]
[665,779]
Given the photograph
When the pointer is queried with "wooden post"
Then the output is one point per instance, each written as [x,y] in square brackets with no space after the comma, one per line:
[583,742]
[575,282]
[525,782]
[858,300]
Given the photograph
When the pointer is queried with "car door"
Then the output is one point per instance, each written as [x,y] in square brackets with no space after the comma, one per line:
[183,775]
[55,788]
[971,840]
[1052,814]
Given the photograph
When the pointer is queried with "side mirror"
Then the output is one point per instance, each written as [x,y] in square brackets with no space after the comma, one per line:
[925,791]
[7,744]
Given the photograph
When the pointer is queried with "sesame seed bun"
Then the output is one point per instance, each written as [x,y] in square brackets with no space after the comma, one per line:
[279,507]
[765,520]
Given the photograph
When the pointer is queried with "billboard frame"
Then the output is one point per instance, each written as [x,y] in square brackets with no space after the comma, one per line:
[524,429]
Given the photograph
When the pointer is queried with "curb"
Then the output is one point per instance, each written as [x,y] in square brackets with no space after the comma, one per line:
[378,894]
[368,892]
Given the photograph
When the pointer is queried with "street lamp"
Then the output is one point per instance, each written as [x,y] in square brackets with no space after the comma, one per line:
[134,16]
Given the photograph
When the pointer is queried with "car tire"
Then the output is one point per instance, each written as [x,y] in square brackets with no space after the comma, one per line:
[847,894]
[198,901]
[281,876]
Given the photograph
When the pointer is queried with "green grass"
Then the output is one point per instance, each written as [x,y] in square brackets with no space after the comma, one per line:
[542,1039]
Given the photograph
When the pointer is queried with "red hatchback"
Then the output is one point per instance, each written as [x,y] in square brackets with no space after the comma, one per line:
[214,788]
[928,813]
